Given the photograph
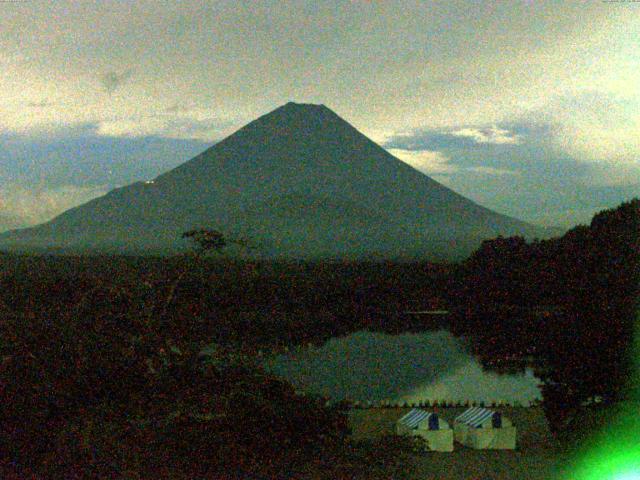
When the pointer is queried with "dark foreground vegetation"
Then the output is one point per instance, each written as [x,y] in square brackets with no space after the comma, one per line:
[567,305]
[123,367]
[119,367]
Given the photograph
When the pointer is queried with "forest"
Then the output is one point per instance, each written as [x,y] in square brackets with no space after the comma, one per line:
[569,304]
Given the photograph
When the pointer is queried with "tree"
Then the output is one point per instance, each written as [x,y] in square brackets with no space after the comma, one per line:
[211,240]
[206,240]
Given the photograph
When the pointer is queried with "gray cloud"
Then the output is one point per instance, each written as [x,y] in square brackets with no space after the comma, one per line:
[536,178]
[41,177]
[81,157]
[112,81]
[179,126]
[465,136]
[41,104]
[178,107]
[9,222]
[446,61]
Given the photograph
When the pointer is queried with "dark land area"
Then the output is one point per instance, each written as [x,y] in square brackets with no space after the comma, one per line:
[149,367]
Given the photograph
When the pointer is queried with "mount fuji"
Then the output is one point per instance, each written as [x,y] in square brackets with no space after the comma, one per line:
[300,183]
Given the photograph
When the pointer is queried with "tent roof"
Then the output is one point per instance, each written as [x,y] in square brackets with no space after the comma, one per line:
[475,416]
[414,417]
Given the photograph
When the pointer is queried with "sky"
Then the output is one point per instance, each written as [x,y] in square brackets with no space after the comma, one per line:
[531,108]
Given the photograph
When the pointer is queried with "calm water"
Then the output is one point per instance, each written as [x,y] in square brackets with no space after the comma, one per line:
[368,366]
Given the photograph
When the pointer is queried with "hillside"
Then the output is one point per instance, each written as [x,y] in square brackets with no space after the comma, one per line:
[7,222]
[298,182]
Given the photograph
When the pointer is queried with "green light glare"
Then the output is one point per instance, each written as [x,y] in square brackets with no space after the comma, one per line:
[628,476]
[614,453]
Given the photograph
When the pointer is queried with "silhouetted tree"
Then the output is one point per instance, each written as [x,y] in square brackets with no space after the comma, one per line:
[206,240]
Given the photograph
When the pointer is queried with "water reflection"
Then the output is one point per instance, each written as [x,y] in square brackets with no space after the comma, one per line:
[368,366]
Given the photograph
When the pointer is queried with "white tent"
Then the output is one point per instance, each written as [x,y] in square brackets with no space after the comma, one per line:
[481,428]
[435,431]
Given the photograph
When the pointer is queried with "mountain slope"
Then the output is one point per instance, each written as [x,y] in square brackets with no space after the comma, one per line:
[8,222]
[298,182]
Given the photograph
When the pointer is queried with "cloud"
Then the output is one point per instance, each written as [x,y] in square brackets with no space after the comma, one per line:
[190,125]
[453,137]
[40,104]
[378,135]
[493,134]
[623,175]
[179,107]
[512,87]
[10,222]
[437,163]
[112,81]
[36,205]
[493,171]
[531,166]
[596,126]
[460,68]
[426,161]
[80,156]
[427,139]
[588,137]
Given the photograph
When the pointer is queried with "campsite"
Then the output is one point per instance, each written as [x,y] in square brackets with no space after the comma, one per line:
[536,456]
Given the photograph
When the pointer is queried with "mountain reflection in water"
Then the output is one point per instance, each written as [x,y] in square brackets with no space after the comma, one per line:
[369,366]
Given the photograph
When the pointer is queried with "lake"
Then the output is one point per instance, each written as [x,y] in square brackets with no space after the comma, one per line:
[412,368]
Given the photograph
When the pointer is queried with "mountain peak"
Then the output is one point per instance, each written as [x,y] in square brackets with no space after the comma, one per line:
[297,120]
[302,109]
[306,106]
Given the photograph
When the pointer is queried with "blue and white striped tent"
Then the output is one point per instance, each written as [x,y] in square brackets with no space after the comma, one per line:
[417,417]
[481,428]
[435,431]
[478,417]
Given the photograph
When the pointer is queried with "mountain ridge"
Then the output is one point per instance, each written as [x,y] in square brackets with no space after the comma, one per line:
[8,222]
[300,179]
